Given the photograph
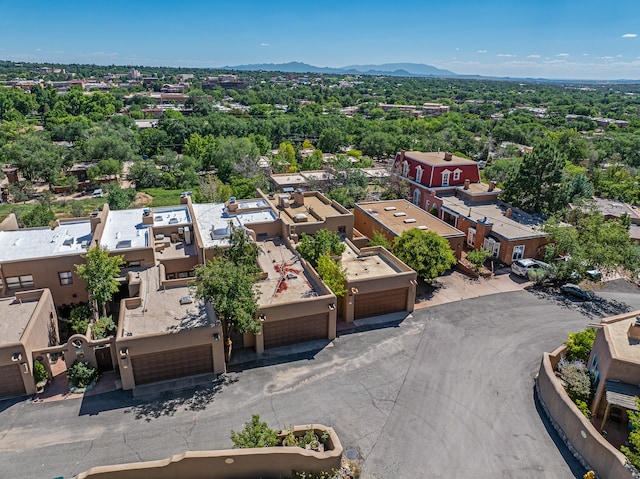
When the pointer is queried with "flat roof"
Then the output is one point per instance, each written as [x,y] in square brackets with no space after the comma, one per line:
[69,238]
[316,208]
[286,179]
[437,158]
[615,208]
[519,225]
[370,265]
[172,215]
[14,318]
[625,347]
[212,219]
[123,229]
[396,216]
[286,280]
[160,310]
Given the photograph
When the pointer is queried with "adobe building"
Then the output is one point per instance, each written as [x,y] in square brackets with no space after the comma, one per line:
[28,322]
[615,366]
[377,283]
[37,258]
[164,333]
[613,209]
[394,217]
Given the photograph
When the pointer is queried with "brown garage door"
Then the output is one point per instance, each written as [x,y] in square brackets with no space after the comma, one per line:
[298,330]
[380,302]
[176,363]
[11,381]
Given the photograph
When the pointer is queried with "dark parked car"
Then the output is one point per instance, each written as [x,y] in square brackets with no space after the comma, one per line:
[576,291]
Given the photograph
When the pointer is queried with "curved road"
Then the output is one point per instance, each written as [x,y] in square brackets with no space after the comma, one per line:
[447,393]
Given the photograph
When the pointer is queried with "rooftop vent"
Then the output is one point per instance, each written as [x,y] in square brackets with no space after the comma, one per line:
[410,220]
[186,299]
[422,227]
[123,244]
[291,275]
[173,221]
[399,213]
[68,241]
[300,218]
[390,208]
[158,218]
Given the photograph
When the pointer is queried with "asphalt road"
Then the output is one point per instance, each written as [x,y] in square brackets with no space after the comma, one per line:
[447,393]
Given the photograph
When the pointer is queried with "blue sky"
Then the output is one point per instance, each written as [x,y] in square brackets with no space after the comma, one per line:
[544,38]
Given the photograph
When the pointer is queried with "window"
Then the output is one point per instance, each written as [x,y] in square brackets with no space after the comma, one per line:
[492,246]
[419,172]
[416,197]
[18,282]
[471,236]
[456,175]
[65,278]
[405,168]
[594,370]
[518,253]
[445,177]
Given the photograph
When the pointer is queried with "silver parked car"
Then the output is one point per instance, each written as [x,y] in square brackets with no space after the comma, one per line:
[522,267]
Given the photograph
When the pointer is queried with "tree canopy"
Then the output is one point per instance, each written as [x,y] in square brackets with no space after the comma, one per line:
[426,252]
[324,242]
[101,272]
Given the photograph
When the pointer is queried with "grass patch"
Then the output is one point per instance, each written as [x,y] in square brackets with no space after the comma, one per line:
[162,197]
[62,209]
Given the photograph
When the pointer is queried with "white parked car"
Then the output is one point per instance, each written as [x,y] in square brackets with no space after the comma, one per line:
[98,193]
[522,267]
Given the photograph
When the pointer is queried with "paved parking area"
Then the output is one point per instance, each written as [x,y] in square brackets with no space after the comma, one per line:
[446,393]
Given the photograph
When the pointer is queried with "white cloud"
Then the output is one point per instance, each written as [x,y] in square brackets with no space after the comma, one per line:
[482,51]
[533,56]
[562,55]
[606,58]
[505,55]
[264,44]
[38,49]
[630,35]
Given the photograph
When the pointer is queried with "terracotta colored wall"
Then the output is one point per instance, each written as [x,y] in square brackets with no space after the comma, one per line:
[602,457]
[229,463]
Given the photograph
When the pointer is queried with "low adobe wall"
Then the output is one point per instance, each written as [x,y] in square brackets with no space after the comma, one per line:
[583,439]
[266,462]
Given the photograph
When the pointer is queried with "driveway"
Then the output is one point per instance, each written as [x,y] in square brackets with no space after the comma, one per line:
[447,393]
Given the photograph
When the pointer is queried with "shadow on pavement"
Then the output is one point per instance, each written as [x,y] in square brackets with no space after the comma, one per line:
[7,403]
[256,361]
[594,309]
[192,399]
[577,469]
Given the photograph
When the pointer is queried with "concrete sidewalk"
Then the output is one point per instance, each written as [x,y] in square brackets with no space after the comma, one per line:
[456,287]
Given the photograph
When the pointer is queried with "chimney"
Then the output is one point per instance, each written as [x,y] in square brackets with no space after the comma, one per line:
[483,229]
[448,156]
[492,185]
[467,183]
[232,206]
[401,155]
[298,197]
[508,213]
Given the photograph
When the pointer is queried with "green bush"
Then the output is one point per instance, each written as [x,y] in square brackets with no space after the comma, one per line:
[39,372]
[579,345]
[576,379]
[82,374]
[584,408]
[79,320]
[538,275]
[256,433]
[103,327]
[477,257]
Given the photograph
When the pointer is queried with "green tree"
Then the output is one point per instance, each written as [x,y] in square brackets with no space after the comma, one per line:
[333,274]
[256,433]
[324,242]
[538,184]
[39,215]
[632,451]
[331,139]
[145,174]
[579,345]
[477,257]
[101,272]
[426,252]
[379,239]
[119,198]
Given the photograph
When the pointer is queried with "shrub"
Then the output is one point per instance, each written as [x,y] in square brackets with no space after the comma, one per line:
[103,327]
[477,257]
[256,433]
[576,379]
[82,374]
[632,451]
[579,345]
[39,372]
[584,408]
[79,319]
[537,275]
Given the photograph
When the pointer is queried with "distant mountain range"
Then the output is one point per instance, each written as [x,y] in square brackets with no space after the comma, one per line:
[387,69]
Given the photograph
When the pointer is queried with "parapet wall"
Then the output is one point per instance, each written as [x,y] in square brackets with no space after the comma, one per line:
[266,462]
[582,438]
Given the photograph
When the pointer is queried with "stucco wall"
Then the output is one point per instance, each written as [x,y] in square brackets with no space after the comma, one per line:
[579,433]
[267,462]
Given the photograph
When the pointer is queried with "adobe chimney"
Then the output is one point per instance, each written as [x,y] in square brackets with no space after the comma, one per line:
[467,183]
[448,156]
[508,213]
[492,185]
[298,197]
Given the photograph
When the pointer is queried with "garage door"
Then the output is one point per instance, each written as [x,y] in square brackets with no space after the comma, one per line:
[298,330]
[381,302]
[11,381]
[176,363]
